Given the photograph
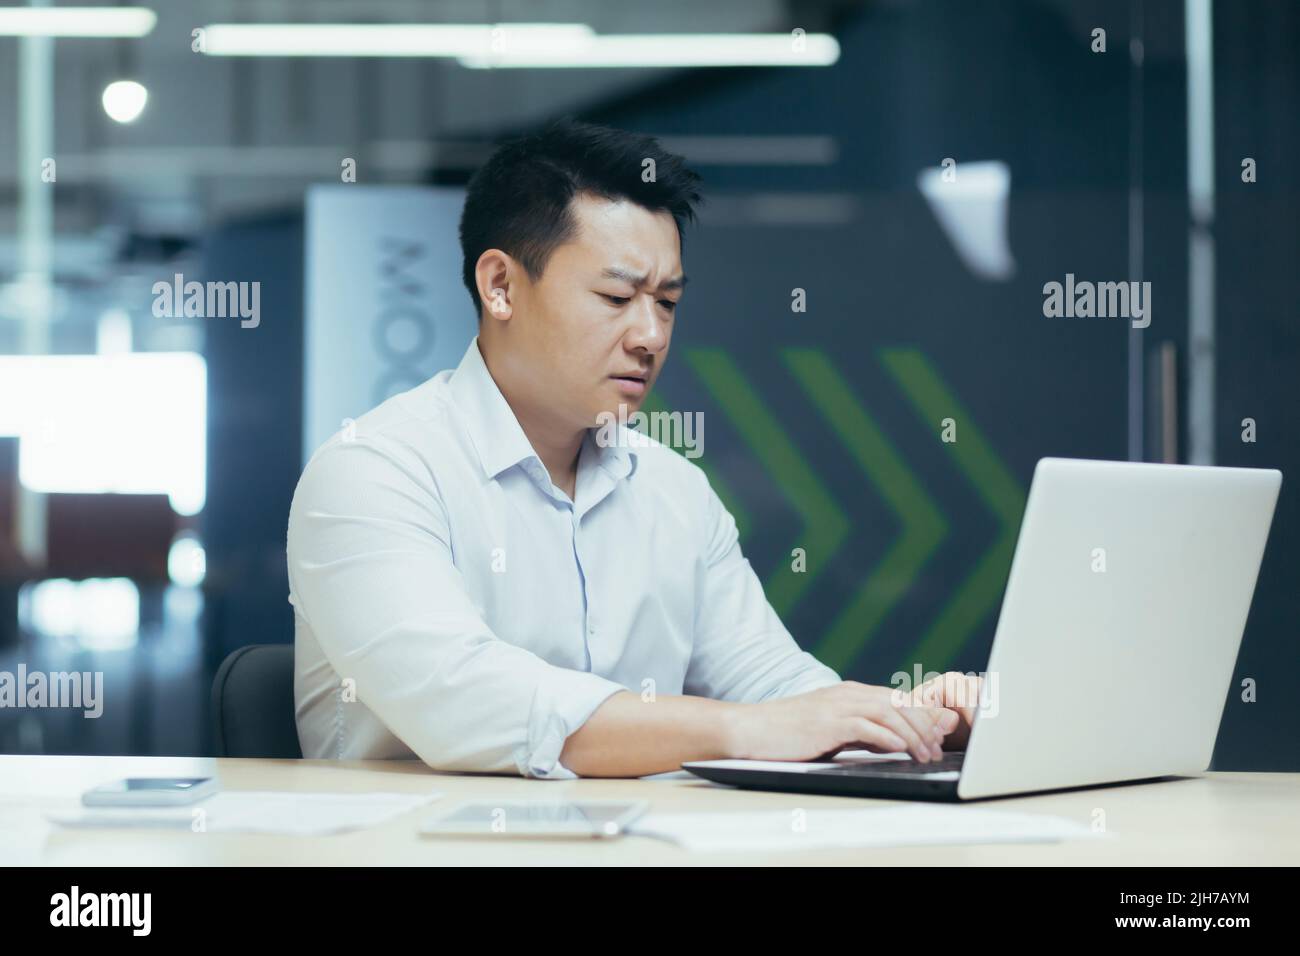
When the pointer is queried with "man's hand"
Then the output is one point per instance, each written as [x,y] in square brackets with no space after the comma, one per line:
[847,715]
[957,692]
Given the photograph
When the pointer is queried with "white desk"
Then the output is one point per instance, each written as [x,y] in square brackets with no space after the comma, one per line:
[1217,819]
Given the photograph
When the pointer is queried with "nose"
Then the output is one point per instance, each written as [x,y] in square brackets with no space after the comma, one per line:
[647,331]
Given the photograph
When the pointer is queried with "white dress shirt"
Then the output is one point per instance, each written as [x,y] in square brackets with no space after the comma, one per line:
[452,604]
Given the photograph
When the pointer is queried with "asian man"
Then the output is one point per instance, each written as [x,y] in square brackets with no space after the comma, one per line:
[481,581]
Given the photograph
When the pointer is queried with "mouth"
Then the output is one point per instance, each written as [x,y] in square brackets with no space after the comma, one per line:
[632,383]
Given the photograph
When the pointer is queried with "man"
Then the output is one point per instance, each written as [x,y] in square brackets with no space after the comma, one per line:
[480,582]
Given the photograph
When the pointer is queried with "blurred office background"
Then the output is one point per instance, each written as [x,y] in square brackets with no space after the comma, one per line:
[917,168]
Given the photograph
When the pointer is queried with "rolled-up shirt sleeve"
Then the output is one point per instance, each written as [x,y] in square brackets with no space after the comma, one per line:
[742,651]
[370,561]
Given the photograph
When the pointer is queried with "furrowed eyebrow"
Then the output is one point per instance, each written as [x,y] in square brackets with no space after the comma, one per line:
[623,275]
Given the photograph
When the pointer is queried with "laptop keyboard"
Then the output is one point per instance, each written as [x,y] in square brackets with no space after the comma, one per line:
[949,762]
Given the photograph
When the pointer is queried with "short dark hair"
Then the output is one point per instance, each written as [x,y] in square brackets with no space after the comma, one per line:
[519,200]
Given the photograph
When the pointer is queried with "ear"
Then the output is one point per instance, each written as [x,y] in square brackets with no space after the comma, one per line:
[494,274]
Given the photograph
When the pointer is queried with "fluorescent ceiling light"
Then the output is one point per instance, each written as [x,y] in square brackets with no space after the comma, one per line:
[671,50]
[76,21]
[390,39]
[520,45]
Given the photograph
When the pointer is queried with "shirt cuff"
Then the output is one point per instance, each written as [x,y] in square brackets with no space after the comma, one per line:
[563,701]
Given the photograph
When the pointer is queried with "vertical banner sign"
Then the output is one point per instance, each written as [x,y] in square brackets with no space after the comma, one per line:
[384,305]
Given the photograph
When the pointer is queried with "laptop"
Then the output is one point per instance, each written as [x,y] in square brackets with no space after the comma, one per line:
[1114,649]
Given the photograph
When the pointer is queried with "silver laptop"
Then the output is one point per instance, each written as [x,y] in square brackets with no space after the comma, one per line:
[1116,643]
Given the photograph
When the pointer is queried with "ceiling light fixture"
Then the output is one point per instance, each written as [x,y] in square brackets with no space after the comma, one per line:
[76,21]
[389,39]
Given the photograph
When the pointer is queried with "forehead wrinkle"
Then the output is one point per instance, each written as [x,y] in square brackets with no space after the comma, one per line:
[638,281]
[624,275]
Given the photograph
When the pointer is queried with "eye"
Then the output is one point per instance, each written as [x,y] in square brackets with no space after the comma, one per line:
[668,304]
[616,299]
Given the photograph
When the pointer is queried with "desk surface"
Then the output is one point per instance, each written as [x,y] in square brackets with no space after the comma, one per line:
[1214,819]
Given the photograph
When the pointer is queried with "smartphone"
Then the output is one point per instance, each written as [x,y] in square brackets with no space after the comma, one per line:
[539,818]
[151,792]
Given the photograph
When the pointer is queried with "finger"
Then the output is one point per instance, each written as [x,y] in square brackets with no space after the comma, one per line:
[954,691]
[930,693]
[946,720]
[962,694]
[907,720]
[919,740]
[949,720]
[929,725]
[875,736]
[933,693]
[950,725]
[924,740]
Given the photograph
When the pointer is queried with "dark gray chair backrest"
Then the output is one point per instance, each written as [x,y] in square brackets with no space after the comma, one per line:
[252,703]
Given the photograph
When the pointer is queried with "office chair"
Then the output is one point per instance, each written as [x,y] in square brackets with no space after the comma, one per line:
[252,703]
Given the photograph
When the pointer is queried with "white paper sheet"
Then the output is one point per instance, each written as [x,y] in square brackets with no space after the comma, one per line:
[800,829]
[256,811]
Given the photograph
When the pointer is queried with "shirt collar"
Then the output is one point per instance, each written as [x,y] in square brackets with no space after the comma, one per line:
[495,431]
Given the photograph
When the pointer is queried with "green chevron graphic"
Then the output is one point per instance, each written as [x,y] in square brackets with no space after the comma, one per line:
[1001,493]
[923,525]
[725,494]
[825,525]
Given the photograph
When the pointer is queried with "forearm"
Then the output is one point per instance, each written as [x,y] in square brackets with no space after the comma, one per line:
[627,736]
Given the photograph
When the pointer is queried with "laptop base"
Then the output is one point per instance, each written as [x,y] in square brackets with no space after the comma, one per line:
[882,786]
